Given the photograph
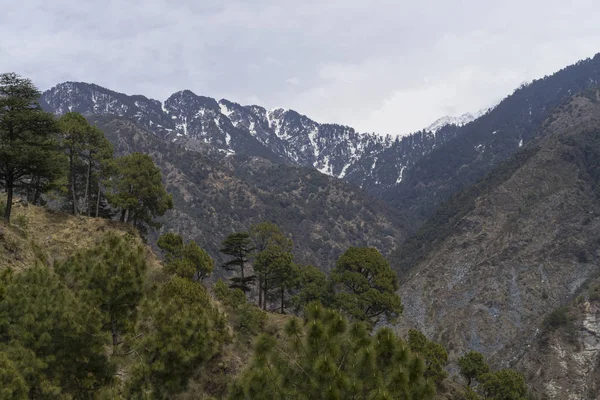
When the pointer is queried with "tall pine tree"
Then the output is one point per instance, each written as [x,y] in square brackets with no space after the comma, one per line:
[28,138]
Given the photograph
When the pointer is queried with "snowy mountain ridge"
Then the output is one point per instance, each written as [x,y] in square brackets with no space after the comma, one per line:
[283,135]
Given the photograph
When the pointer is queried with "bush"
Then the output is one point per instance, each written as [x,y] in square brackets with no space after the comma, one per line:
[594,292]
[21,221]
[556,319]
[244,316]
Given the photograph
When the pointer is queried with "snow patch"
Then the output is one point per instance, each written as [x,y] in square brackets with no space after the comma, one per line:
[224,110]
[457,120]
[401,174]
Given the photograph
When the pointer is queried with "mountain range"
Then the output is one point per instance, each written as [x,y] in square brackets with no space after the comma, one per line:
[492,224]
[414,173]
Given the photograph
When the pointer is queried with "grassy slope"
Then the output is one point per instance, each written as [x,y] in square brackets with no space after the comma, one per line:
[36,233]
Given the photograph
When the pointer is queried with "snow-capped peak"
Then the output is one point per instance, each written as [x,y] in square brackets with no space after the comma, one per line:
[456,120]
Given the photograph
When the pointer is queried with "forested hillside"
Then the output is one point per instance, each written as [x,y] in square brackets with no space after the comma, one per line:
[215,195]
[87,310]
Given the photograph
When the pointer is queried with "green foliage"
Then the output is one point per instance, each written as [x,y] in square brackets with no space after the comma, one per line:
[325,357]
[505,384]
[109,276]
[51,337]
[472,366]
[239,246]
[12,383]
[267,233]
[228,296]
[434,354]
[559,317]
[367,286]
[594,292]
[181,331]
[74,128]
[277,273]
[28,138]
[313,286]
[21,221]
[185,260]
[244,317]
[273,263]
[171,244]
[137,190]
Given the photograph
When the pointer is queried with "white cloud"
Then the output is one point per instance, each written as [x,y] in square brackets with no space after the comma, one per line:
[385,66]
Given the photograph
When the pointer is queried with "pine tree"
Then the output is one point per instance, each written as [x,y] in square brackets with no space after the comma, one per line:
[52,337]
[239,246]
[97,153]
[326,358]
[367,285]
[505,384]
[185,260]
[12,383]
[28,138]
[433,353]
[263,234]
[138,191]
[312,286]
[109,276]
[74,128]
[179,333]
[472,366]
[277,271]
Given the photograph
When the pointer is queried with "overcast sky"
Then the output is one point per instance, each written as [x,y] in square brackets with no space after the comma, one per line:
[388,66]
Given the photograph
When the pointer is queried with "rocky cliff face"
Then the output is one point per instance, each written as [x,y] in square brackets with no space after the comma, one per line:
[520,243]
[565,363]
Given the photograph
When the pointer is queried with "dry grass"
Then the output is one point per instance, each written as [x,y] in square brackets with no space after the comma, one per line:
[36,233]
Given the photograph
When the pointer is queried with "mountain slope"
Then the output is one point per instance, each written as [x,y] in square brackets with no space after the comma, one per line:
[484,143]
[494,261]
[565,362]
[216,194]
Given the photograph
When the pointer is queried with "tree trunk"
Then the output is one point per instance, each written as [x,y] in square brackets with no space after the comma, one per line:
[87,185]
[28,195]
[282,298]
[123,212]
[265,295]
[113,328]
[98,200]
[74,196]
[260,293]
[9,197]
[36,195]
[242,267]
